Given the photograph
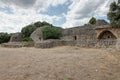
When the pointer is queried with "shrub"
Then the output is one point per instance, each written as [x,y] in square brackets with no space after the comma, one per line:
[27,39]
[4,37]
[92,20]
[26,31]
[52,32]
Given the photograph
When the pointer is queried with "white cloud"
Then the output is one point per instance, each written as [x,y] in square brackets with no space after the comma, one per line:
[28,11]
[24,14]
[13,23]
[82,10]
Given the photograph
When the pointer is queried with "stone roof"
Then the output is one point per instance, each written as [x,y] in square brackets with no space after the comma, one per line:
[103,27]
[101,22]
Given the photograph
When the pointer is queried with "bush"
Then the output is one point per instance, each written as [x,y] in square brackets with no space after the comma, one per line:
[26,31]
[52,32]
[27,39]
[4,37]
[92,20]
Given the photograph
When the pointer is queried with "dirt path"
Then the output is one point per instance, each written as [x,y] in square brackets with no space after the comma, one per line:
[61,63]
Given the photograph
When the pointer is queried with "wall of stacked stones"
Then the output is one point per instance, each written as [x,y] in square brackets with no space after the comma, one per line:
[81,36]
[110,43]
[49,43]
[87,37]
[118,44]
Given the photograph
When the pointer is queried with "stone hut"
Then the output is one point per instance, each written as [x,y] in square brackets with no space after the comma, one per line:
[16,37]
[37,35]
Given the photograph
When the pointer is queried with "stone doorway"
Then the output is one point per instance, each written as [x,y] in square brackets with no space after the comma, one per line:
[107,35]
[75,37]
[106,39]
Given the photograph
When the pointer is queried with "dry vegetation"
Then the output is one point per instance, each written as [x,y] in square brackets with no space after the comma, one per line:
[61,63]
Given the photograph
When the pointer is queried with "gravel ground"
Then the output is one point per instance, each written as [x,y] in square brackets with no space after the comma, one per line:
[60,63]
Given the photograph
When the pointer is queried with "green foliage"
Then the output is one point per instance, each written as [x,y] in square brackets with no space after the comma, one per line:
[4,37]
[114,14]
[49,32]
[52,32]
[92,21]
[27,39]
[26,31]
[44,23]
[38,24]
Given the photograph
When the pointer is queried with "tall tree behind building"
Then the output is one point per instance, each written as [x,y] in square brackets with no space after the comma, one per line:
[114,14]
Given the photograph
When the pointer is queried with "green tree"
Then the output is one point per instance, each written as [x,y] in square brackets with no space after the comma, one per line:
[38,24]
[52,32]
[114,14]
[92,20]
[44,23]
[27,39]
[4,37]
[26,31]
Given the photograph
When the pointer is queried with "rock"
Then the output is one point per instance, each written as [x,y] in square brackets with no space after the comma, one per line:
[118,45]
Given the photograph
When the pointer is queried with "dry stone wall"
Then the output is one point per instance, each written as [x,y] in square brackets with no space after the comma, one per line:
[118,44]
[84,36]
[106,43]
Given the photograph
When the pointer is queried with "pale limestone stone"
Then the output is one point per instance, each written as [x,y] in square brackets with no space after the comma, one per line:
[118,45]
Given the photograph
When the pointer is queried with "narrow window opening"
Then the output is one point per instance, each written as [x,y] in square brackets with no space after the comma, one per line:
[75,37]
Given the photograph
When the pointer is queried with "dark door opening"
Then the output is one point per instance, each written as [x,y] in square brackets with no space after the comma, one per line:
[75,37]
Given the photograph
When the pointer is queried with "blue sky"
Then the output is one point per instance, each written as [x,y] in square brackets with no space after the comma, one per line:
[15,14]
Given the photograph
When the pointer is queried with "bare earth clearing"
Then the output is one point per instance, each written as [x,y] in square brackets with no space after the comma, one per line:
[61,63]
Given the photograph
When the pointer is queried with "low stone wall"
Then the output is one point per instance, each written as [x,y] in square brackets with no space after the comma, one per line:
[88,44]
[49,43]
[54,43]
[106,43]
[17,44]
[118,45]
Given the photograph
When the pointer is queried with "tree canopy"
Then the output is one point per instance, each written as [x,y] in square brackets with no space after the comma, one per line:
[52,32]
[49,31]
[114,14]
[4,37]
[92,20]
[27,30]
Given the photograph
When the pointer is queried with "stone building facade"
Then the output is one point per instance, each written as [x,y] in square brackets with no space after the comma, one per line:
[82,36]
[100,35]
[92,36]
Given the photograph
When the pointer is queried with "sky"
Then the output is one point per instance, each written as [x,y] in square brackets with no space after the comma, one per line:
[15,14]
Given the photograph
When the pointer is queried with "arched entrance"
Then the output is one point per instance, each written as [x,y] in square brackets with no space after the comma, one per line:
[106,39]
[106,35]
